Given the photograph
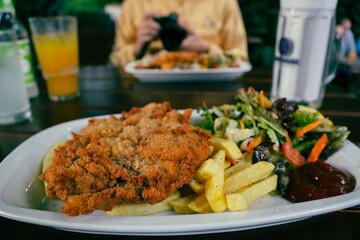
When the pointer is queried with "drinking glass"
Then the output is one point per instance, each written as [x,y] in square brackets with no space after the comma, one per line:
[56,45]
[14,100]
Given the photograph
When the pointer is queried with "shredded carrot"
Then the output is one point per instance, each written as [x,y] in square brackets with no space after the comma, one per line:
[255,142]
[318,148]
[261,98]
[242,125]
[301,131]
[265,103]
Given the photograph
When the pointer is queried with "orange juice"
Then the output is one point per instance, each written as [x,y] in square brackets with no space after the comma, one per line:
[62,85]
[58,57]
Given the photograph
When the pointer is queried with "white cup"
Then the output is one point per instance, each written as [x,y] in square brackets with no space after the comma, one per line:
[305,55]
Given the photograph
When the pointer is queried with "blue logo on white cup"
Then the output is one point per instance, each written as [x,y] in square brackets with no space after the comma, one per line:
[285,46]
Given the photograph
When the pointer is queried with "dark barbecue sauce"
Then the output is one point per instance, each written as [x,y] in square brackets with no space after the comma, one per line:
[318,180]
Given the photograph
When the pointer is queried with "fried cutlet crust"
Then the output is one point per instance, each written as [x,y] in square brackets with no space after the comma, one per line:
[145,155]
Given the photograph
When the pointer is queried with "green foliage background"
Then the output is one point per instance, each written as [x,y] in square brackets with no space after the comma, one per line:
[86,6]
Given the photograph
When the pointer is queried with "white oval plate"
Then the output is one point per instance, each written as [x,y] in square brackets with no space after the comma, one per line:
[23,198]
[188,75]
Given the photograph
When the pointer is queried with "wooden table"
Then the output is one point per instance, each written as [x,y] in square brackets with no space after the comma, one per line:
[105,91]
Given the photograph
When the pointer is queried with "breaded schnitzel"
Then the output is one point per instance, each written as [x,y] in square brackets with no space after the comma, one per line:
[145,155]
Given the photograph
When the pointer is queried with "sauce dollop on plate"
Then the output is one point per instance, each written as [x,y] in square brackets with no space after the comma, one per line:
[318,180]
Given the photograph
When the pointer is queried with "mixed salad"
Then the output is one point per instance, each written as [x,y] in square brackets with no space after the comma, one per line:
[286,134]
[226,60]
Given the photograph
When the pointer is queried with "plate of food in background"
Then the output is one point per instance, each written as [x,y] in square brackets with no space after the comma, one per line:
[180,66]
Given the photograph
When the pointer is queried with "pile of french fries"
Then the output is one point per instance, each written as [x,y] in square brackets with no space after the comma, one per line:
[219,185]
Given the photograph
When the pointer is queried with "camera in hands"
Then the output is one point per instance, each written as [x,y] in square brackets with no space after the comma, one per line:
[171,33]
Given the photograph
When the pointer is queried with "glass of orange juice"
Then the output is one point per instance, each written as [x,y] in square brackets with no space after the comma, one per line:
[56,45]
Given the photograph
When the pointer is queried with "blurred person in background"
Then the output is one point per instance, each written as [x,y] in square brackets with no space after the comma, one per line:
[358,46]
[347,43]
[211,26]
[347,51]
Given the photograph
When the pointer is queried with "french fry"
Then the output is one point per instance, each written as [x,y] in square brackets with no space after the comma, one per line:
[232,151]
[248,176]
[200,205]
[237,167]
[207,170]
[181,205]
[219,158]
[197,187]
[227,164]
[242,200]
[214,187]
[142,209]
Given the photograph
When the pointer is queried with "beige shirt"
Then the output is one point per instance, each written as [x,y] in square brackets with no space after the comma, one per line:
[217,21]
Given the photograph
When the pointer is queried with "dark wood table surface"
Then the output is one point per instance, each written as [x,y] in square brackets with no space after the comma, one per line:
[105,91]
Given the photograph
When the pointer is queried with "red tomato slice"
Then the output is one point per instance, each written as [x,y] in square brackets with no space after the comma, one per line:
[293,156]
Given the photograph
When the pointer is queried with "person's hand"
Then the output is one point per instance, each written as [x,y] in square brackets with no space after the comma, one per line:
[147,31]
[351,56]
[193,42]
